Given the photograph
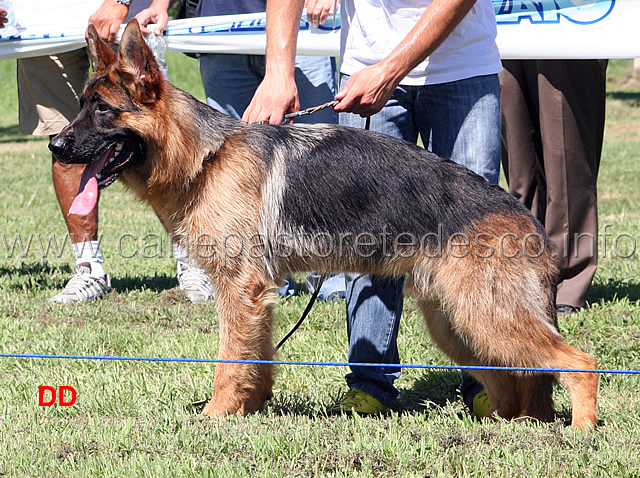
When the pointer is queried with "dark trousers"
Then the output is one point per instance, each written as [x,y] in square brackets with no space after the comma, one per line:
[553,115]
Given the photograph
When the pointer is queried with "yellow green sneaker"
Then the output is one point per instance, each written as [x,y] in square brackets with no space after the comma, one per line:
[481,405]
[474,396]
[357,401]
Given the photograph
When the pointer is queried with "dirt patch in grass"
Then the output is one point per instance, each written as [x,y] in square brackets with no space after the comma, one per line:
[172,297]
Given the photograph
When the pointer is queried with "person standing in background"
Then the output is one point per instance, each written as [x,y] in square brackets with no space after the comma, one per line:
[553,115]
[427,68]
[49,88]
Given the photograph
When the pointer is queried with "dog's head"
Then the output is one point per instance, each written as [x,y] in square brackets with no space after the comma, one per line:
[118,99]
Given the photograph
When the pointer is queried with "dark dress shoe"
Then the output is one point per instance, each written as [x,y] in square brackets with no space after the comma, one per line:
[562,309]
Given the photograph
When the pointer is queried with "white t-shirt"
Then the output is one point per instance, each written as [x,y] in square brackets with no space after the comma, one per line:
[371,29]
[55,15]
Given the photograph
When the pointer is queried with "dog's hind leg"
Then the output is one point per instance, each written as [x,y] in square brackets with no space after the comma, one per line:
[541,349]
[537,396]
[582,386]
[511,395]
[526,342]
[245,307]
[536,390]
[529,344]
[504,397]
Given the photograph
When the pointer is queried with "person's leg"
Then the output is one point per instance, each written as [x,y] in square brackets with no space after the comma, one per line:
[374,307]
[49,89]
[462,120]
[374,304]
[66,181]
[230,81]
[82,229]
[572,112]
[521,144]
[316,79]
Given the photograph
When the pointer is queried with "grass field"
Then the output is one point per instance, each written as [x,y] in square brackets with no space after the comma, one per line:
[135,418]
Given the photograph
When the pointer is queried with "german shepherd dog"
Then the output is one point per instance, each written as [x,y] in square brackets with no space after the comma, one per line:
[253,202]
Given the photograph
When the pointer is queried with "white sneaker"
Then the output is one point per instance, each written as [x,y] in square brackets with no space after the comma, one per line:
[194,282]
[82,286]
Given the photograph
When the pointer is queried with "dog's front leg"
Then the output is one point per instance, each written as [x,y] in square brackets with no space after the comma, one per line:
[245,318]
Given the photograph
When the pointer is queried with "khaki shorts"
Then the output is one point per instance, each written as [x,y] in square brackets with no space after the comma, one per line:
[49,89]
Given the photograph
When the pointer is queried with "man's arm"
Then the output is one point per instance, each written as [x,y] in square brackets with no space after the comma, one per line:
[369,89]
[278,94]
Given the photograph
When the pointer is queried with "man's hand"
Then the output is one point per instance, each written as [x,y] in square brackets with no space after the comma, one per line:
[367,91]
[108,18]
[3,17]
[275,97]
[319,10]
[278,94]
[157,14]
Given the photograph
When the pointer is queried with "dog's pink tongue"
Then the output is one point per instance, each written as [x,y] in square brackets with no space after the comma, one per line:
[87,196]
[86,199]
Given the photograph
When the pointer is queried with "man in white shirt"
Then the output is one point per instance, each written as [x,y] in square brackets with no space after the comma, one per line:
[414,67]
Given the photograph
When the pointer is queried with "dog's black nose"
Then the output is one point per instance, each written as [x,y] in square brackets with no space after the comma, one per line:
[58,145]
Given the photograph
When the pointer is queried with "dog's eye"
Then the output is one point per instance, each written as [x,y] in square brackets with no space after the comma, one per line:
[102,108]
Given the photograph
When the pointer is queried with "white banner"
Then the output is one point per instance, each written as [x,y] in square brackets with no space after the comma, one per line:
[527,29]
[565,29]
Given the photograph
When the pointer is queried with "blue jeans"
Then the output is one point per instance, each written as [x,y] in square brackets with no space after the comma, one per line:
[231,80]
[459,120]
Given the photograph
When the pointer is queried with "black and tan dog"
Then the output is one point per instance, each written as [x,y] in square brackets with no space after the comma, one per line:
[253,202]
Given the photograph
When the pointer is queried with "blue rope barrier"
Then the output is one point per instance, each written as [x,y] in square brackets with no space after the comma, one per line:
[326,364]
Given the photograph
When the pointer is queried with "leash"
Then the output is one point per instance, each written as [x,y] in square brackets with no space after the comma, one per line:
[312,301]
[310,111]
[315,109]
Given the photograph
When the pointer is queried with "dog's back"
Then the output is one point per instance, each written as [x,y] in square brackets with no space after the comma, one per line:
[375,195]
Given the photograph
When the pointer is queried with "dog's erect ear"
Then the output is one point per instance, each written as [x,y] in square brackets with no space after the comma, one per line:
[136,61]
[101,54]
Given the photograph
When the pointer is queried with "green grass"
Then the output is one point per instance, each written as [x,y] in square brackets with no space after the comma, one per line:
[135,418]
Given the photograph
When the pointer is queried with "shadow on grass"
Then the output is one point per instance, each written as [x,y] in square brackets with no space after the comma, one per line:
[282,404]
[632,98]
[431,388]
[45,276]
[614,290]
[11,134]
[437,388]
[157,283]
[35,275]
[34,268]
[434,389]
